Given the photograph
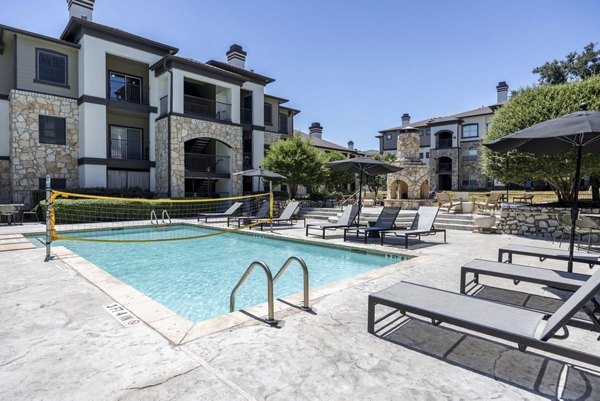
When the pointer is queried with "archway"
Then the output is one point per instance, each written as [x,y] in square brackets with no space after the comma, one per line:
[444,170]
[444,140]
[399,190]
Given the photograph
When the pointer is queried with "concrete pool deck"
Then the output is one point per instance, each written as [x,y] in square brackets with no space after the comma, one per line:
[58,342]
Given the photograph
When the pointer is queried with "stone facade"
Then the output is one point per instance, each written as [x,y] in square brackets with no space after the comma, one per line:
[271,137]
[534,221]
[184,129]
[471,166]
[435,155]
[31,160]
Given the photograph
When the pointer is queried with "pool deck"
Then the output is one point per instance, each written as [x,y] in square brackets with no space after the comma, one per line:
[59,343]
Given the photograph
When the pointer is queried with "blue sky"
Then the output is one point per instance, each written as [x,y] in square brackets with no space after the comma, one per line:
[355,66]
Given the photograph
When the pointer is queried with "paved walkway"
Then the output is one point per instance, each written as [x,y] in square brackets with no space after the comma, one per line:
[58,342]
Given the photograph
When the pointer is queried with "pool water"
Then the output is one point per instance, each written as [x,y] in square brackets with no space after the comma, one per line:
[194,278]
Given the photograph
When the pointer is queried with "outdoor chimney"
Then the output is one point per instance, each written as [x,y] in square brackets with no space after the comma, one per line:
[315,130]
[350,145]
[405,119]
[236,56]
[81,9]
[502,89]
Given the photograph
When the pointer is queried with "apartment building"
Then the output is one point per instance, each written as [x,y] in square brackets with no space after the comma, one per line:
[450,145]
[101,107]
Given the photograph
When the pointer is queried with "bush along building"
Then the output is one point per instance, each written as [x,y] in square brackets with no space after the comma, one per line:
[101,107]
[450,145]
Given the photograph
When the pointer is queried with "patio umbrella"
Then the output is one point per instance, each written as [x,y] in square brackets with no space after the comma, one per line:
[362,166]
[579,130]
[262,173]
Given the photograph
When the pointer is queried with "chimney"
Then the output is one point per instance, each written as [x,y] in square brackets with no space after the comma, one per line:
[350,145]
[236,56]
[502,89]
[405,119]
[81,9]
[315,130]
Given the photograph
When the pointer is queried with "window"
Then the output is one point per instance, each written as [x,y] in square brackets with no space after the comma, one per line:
[428,132]
[125,143]
[470,155]
[470,181]
[53,130]
[125,88]
[268,114]
[283,123]
[420,155]
[51,67]
[55,183]
[427,155]
[122,179]
[421,132]
[470,131]
[388,136]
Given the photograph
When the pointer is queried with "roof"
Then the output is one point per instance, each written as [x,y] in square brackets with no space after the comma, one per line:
[194,66]
[295,111]
[323,144]
[279,99]
[36,35]
[251,75]
[482,111]
[78,27]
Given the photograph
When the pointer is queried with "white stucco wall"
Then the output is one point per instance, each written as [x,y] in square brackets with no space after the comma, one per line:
[92,176]
[92,130]
[4,128]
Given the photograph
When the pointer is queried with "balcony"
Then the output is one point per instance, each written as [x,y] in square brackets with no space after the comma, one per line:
[246,115]
[203,165]
[128,150]
[444,168]
[444,144]
[127,92]
[201,107]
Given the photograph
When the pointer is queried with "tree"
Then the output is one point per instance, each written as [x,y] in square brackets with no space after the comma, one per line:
[573,68]
[298,161]
[335,180]
[375,183]
[530,106]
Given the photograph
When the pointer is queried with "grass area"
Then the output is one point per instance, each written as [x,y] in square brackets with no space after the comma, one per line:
[539,196]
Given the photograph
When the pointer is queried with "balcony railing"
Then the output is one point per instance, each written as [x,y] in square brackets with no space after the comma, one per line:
[246,115]
[207,108]
[444,144]
[127,150]
[444,168]
[119,91]
[197,162]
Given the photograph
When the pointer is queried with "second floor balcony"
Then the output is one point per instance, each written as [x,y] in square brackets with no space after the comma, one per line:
[201,107]
[127,91]
[127,149]
[444,143]
[206,164]
[444,168]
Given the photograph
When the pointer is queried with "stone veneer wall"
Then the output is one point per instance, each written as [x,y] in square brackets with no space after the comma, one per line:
[435,155]
[183,129]
[468,168]
[534,221]
[271,137]
[30,159]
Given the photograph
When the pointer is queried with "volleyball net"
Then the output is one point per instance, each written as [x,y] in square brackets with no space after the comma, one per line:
[82,217]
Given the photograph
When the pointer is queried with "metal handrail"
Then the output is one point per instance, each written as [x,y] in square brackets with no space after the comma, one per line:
[350,197]
[153,217]
[271,313]
[165,213]
[305,272]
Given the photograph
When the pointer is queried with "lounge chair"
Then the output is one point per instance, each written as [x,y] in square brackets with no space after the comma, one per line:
[522,326]
[422,225]
[262,213]
[229,212]
[545,253]
[445,201]
[491,203]
[346,220]
[287,216]
[385,221]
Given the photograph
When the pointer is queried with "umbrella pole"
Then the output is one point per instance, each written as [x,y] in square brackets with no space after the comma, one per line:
[271,200]
[574,210]
[359,196]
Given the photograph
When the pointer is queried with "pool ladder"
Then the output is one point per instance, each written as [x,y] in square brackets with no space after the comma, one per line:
[154,218]
[270,283]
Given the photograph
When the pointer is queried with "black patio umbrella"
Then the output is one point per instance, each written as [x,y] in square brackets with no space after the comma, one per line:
[362,166]
[579,130]
[262,173]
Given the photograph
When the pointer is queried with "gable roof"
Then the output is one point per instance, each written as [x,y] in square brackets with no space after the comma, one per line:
[482,111]
[36,35]
[198,67]
[251,75]
[323,144]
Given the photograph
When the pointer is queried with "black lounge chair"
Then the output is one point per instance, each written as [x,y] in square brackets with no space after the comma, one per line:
[262,213]
[422,225]
[229,212]
[287,216]
[525,327]
[545,253]
[346,220]
[385,221]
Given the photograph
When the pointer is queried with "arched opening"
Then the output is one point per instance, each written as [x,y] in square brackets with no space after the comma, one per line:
[399,190]
[207,168]
[444,139]
[424,190]
[444,171]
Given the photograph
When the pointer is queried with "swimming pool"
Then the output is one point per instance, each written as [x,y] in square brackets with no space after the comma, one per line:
[194,278]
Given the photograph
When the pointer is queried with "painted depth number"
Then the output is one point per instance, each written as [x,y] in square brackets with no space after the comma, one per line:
[126,318]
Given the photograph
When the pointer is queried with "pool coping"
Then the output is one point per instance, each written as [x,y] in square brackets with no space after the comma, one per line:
[178,330]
